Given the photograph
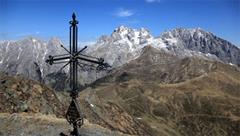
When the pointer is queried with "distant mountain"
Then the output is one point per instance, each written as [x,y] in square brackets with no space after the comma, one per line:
[125,44]
[202,41]
[27,57]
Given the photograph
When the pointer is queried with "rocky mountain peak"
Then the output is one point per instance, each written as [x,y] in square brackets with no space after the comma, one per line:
[134,36]
[185,33]
[122,30]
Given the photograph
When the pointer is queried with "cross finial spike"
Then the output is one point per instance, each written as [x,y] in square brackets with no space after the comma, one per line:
[74,16]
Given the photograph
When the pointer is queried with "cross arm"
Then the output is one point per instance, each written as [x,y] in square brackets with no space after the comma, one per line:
[81,50]
[97,61]
[52,59]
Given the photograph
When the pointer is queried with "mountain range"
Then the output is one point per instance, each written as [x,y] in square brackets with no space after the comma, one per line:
[184,82]
[27,57]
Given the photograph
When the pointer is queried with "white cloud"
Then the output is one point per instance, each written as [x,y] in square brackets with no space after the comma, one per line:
[152,1]
[124,13]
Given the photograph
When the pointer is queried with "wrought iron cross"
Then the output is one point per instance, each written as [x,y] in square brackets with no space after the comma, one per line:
[75,58]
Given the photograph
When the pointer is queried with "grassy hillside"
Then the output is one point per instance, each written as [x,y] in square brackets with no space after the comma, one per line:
[195,97]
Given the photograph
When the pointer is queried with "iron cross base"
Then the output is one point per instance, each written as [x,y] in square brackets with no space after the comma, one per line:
[75,117]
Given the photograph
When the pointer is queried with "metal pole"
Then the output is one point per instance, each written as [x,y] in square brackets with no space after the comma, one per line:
[74,65]
[74,61]
[70,46]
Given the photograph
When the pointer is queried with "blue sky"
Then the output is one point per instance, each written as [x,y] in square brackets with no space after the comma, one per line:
[49,18]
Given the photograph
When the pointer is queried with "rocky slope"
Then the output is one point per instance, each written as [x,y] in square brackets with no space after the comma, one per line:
[18,95]
[28,108]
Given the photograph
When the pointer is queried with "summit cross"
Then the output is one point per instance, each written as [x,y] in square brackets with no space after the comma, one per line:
[75,58]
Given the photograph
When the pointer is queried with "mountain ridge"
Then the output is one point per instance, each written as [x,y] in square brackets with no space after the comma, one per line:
[122,46]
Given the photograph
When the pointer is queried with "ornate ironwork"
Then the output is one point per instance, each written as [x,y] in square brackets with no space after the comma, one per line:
[75,58]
